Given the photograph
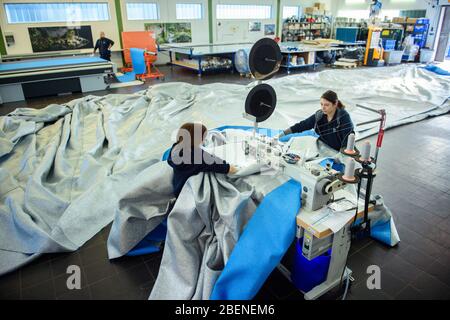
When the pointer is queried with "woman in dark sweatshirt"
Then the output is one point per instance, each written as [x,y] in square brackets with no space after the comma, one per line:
[332,123]
[188,159]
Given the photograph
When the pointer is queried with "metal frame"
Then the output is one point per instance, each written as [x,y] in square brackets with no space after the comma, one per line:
[337,270]
[189,51]
[288,65]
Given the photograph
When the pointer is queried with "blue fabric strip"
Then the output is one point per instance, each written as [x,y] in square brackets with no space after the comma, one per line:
[46,63]
[127,77]
[137,60]
[287,137]
[437,70]
[382,232]
[263,243]
[152,242]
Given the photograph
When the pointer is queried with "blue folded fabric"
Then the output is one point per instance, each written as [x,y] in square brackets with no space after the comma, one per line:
[287,137]
[137,60]
[127,77]
[437,70]
[265,240]
[152,242]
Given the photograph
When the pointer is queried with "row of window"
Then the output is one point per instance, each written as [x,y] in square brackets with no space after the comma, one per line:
[89,11]
[365,2]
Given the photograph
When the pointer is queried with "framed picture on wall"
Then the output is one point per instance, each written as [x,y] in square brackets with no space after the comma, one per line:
[254,26]
[178,32]
[60,38]
[269,29]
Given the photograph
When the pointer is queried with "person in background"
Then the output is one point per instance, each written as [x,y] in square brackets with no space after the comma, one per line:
[104,46]
[332,123]
[188,159]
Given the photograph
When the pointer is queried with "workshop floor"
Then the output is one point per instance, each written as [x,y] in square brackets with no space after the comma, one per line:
[412,178]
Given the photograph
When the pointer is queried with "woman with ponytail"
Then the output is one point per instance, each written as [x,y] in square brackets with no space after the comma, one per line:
[332,123]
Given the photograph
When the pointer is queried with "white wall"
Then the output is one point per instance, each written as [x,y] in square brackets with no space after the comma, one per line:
[233,30]
[167,13]
[237,30]
[20,30]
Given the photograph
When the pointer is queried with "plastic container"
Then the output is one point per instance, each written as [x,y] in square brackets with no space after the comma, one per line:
[347,34]
[393,56]
[423,21]
[426,55]
[307,274]
[241,62]
[389,44]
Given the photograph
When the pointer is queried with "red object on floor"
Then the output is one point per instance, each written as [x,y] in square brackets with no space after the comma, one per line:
[142,40]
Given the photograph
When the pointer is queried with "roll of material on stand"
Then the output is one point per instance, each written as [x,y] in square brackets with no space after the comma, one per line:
[264,62]
[264,59]
[350,150]
[350,144]
[349,174]
[261,102]
[365,152]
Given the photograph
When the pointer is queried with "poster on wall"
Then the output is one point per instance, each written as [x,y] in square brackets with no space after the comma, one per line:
[60,38]
[170,32]
[269,29]
[254,26]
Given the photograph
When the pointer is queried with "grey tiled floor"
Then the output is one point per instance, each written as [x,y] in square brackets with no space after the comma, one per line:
[413,177]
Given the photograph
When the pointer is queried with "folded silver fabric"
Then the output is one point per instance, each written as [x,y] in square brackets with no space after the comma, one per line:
[64,168]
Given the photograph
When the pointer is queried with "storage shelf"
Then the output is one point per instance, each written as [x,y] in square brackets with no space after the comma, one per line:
[298,65]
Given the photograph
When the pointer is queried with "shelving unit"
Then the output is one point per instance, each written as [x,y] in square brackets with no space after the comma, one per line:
[418,29]
[307,30]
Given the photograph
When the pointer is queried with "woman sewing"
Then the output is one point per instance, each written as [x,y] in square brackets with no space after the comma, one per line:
[332,123]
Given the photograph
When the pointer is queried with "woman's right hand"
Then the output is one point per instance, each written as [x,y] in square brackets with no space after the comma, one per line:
[232,170]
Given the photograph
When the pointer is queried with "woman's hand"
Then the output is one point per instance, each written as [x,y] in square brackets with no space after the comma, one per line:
[232,170]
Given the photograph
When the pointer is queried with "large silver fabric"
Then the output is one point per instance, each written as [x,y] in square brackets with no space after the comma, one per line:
[63,169]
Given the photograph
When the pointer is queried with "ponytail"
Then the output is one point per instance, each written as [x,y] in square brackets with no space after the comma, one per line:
[340,105]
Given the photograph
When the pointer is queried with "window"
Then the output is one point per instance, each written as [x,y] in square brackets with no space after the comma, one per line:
[189,11]
[289,11]
[364,14]
[413,13]
[355,1]
[56,12]
[357,14]
[142,11]
[243,11]
[389,13]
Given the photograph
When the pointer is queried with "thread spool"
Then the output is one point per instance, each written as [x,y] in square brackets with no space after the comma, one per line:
[350,144]
[349,173]
[365,152]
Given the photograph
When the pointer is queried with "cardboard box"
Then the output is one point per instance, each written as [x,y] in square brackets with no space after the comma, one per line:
[314,11]
[310,10]
[399,20]
[321,6]
[411,20]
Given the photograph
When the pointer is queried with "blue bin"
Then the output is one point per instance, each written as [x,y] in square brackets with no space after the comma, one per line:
[307,274]
[389,44]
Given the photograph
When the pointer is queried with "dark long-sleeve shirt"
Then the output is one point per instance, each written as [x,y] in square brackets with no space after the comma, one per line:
[183,170]
[333,133]
[103,45]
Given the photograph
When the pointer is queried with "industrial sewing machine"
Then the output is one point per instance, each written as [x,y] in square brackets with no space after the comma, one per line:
[323,195]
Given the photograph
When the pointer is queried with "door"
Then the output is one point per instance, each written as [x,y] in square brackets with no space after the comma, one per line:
[444,36]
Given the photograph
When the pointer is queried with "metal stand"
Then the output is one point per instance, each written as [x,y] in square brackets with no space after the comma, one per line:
[337,271]
[339,252]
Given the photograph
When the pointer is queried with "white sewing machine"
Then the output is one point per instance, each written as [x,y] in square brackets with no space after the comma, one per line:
[318,182]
